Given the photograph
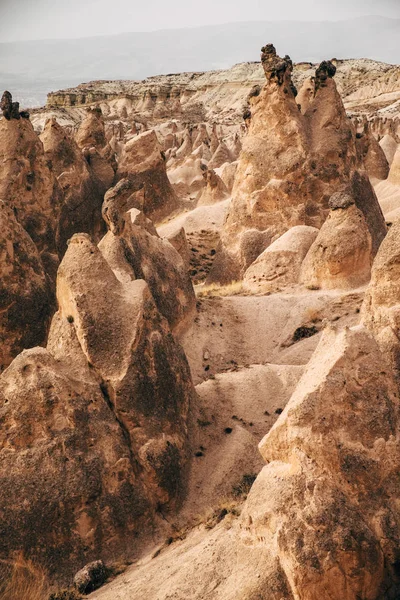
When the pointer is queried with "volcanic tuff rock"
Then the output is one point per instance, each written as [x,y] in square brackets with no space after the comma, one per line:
[26,298]
[107,446]
[320,520]
[341,255]
[279,265]
[27,184]
[134,249]
[91,138]
[372,154]
[143,165]
[215,190]
[389,146]
[380,311]
[83,192]
[292,163]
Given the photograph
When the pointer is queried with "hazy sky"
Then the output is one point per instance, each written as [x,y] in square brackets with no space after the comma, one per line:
[44,19]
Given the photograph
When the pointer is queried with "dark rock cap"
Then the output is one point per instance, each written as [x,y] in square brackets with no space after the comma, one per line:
[340,200]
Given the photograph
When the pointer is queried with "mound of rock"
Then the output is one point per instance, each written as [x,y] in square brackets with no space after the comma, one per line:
[143,164]
[83,192]
[279,265]
[341,255]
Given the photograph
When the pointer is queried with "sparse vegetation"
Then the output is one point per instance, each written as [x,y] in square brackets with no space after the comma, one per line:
[69,594]
[22,580]
[213,290]
[304,332]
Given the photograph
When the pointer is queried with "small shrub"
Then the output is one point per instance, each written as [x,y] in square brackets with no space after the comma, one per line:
[22,580]
[304,332]
[66,595]
[242,489]
[214,290]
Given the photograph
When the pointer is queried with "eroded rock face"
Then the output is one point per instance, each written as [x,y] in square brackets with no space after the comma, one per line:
[372,154]
[380,311]
[27,184]
[318,497]
[106,448]
[138,251]
[144,166]
[291,163]
[341,255]
[389,147]
[279,265]
[83,192]
[394,174]
[26,298]
[92,140]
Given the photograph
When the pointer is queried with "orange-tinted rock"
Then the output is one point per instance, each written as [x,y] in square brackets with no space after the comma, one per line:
[83,192]
[143,164]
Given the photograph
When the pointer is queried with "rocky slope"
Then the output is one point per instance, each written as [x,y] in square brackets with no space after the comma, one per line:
[200,336]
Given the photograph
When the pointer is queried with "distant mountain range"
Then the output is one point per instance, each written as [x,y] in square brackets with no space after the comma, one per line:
[32,69]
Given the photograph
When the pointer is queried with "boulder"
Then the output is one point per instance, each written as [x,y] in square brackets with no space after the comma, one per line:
[91,577]
[325,502]
[143,164]
[279,265]
[341,255]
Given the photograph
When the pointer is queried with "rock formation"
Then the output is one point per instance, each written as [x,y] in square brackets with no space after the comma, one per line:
[26,298]
[292,163]
[132,246]
[107,446]
[372,155]
[380,311]
[389,147]
[215,190]
[27,184]
[9,108]
[83,192]
[394,173]
[144,166]
[279,265]
[91,139]
[341,255]
[335,536]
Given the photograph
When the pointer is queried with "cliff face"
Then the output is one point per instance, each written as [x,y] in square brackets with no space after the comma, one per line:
[366,86]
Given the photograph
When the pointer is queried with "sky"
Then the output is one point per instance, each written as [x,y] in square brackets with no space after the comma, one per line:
[58,19]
